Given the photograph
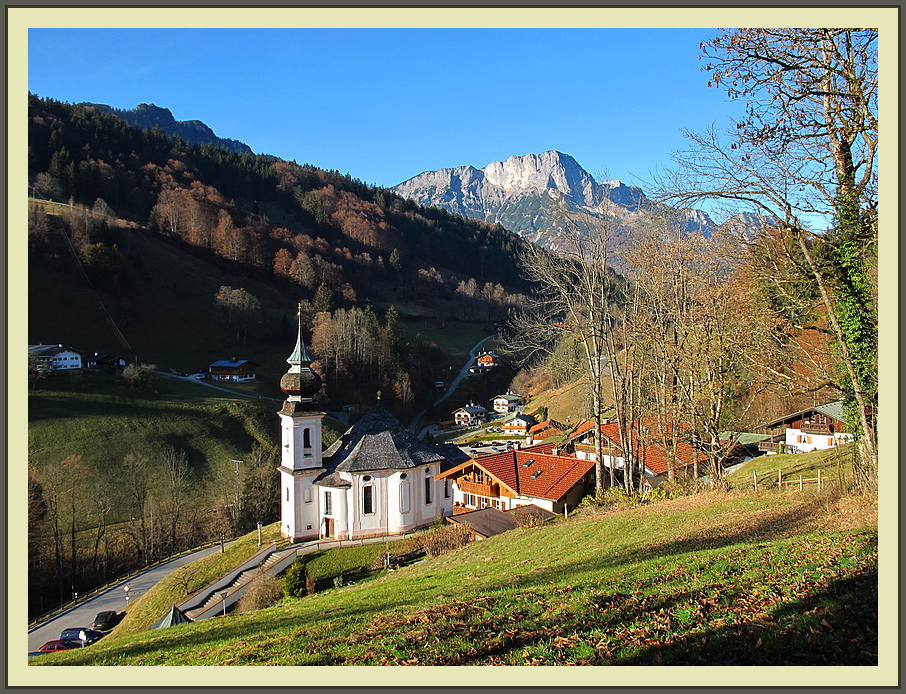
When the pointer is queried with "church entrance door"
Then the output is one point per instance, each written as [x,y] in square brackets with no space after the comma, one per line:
[328,527]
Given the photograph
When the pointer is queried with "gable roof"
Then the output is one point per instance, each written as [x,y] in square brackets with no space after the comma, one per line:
[545,477]
[547,424]
[232,363]
[378,441]
[830,409]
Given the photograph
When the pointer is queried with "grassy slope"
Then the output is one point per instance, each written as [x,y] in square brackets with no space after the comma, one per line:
[835,465]
[102,422]
[712,579]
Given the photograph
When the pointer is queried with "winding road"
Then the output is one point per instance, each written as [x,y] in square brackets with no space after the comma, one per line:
[463,372]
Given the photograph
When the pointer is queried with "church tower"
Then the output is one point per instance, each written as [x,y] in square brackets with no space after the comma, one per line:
[300,438]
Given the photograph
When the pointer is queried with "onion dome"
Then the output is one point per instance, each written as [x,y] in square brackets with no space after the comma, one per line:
[300,383]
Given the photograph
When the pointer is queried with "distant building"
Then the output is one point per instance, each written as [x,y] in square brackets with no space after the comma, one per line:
[233,370]
[470,414]
[53,359]
[508,402]
[517,424]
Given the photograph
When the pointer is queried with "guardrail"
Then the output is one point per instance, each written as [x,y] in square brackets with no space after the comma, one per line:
[109,584]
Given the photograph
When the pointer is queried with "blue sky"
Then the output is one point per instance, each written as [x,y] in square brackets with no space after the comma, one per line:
[386,104]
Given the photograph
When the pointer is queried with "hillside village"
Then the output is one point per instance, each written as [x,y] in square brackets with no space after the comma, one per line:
[497,416]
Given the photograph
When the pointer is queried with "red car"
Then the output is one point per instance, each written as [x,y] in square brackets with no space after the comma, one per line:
[57,645]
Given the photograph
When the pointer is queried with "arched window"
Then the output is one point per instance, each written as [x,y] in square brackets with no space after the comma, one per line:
[307,495]
[306,437]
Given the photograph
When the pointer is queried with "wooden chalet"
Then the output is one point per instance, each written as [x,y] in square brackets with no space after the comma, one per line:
[815,428]
[536,475]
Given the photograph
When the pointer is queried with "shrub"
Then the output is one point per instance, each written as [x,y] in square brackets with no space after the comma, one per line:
[446,539]
[263,591]
[295,579]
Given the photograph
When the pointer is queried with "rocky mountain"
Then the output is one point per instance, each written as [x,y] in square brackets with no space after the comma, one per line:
[537,195]
[194,131]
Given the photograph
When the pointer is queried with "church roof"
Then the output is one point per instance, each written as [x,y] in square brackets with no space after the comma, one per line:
[379,441]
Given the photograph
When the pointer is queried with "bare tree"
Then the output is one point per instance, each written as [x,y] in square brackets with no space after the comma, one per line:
[804,157]
[577,298]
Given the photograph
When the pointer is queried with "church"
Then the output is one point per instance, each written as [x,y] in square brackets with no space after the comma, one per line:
[376,479]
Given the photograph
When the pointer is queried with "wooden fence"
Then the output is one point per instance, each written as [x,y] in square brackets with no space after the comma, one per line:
[799,480]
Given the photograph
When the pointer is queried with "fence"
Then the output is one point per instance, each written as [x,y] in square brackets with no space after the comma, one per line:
[801,481]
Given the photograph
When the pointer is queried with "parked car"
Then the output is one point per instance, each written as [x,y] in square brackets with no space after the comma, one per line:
[105,620]
[72,634]
[57,645]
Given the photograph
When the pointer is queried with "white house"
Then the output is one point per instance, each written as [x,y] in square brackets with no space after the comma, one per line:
[376,479]
[517,424]
[54,358]
[470,414]
[816,428]
[506,403]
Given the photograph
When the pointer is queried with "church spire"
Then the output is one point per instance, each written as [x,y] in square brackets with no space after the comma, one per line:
[300,355]
[300,383]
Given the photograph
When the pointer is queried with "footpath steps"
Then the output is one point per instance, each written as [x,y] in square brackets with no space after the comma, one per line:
[240,583]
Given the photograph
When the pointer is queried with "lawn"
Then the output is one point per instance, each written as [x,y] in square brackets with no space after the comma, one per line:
[711,579]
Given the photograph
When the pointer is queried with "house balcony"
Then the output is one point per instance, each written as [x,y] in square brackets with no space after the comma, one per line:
[771,446]
[466,487]
[821,429]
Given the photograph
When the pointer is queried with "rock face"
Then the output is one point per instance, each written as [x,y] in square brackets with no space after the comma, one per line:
[537,195]
[194,131]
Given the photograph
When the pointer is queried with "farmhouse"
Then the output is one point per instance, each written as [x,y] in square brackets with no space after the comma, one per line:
[816,428]
[233,370]
[53,359]
[376,479]
[538,475]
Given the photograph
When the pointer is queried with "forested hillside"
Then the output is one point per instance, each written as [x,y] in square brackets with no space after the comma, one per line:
[271,233]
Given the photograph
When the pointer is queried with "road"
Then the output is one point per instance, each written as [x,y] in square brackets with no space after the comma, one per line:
[114,598]
[463,372]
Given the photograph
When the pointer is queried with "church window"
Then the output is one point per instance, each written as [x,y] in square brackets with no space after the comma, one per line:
[404,497]
[368,499]
[287,493]
[446,489]
[328,505]
[307,495]
[306,438]
[428,481]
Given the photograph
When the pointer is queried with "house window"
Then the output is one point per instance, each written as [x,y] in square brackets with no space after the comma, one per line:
[404,497]
[328,504]
[368,499]
[446,489]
